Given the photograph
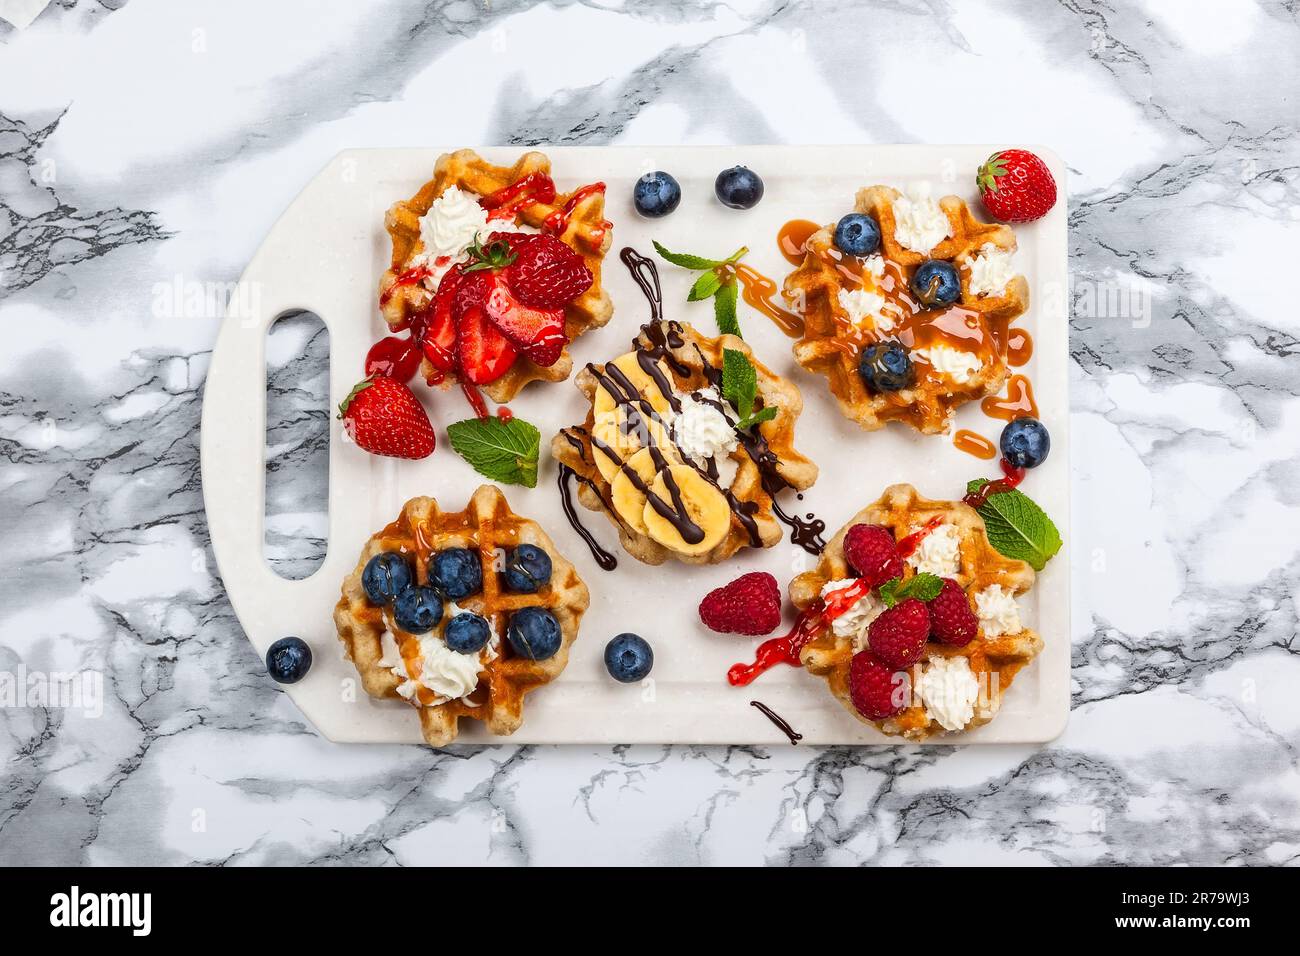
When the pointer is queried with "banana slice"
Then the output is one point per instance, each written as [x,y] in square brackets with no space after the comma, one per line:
[628,499]
[627,442]
[705,505]
[603,402]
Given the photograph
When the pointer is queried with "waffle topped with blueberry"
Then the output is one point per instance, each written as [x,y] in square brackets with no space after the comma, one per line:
[683,460]
[935,645]
[495,272]
[460,613]
[907,304]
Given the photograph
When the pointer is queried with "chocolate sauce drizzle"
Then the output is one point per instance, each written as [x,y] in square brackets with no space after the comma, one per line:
[602,557]
[658,342]
[782,724]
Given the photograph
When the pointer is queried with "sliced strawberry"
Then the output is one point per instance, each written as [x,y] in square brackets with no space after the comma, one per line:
[438,340]
[483,354]
[539,333]
[547,274]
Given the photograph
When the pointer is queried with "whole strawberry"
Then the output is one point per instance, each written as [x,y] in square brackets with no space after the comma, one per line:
[872,552]
[877,690]
[384,417]
[751,604]
[899,634]
[1016,186]
[951,619]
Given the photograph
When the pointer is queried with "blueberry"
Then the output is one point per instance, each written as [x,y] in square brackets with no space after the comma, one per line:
[385,576]
[456,572]
[534,633]
[628,658]
[527,569]
[857,234]
[288,660]
[466,633]
[738,187]
[1025,443]
[936,283]
[418,609]
[656,194]
[886,367]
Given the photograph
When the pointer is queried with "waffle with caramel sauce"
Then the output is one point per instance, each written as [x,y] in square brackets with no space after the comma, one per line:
[577,218]
[994,660]
[629,462]
[488,526]
[832,342]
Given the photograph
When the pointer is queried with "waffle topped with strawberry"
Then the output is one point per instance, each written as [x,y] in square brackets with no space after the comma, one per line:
[907,306]
[495,272]
[934,645]
[460,613]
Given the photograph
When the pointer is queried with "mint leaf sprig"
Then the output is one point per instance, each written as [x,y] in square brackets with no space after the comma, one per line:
[714,282]
[740,387]
[504,451]
[1017,527]
[923,586]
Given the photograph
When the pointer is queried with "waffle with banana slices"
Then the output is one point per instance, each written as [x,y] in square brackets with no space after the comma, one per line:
[443,685]
[951,688]
[661,453]
[958,351]
[526,200]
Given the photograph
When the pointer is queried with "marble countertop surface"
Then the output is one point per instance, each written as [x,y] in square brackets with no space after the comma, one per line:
[145,142]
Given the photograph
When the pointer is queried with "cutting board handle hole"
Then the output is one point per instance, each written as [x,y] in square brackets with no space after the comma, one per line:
[297,444]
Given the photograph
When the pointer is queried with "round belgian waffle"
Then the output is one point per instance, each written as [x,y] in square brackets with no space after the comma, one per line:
[995,661]
[488,525]
[831,344]
[586,232]
[766,463]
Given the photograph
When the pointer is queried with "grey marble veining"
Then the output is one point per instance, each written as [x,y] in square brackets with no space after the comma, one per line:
[144,143]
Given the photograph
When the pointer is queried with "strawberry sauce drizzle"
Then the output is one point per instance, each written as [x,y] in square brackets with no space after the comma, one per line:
[506,203]
[1013,477]
[397,357]
[475,398]
[908,545]
[505,414]
[558,221]
[815,618]
[409,277]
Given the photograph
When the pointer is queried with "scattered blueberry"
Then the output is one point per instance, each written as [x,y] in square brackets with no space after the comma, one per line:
[466,633]
[1025,443]
[456,572]
[385,576]
[857,234]
[534,633]
[936,283]
[886,367]
[656,194]
[288,660]
[418,609]
[738,187]
[628,658]
[527,569]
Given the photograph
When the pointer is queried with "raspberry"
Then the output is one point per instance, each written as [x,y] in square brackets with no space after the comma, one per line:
[951,619]
[898,636]
[877,691]
[872,553]
[751,604]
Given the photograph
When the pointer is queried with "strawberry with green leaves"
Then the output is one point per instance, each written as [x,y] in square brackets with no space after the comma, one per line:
[1016,186]
[384,417]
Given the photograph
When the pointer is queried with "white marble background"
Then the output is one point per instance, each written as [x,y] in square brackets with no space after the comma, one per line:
[146,140]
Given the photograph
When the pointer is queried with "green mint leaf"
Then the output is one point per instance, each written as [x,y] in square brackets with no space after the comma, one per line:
[888,592]
[923,586]
[1017,527]
[500,450]
[685,259]
[758,417]
[707,284]
[724,309]
[739,381]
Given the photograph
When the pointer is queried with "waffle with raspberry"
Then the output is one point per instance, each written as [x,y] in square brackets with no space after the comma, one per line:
[488,527]
[576,218]
[975,325]
[993,660]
